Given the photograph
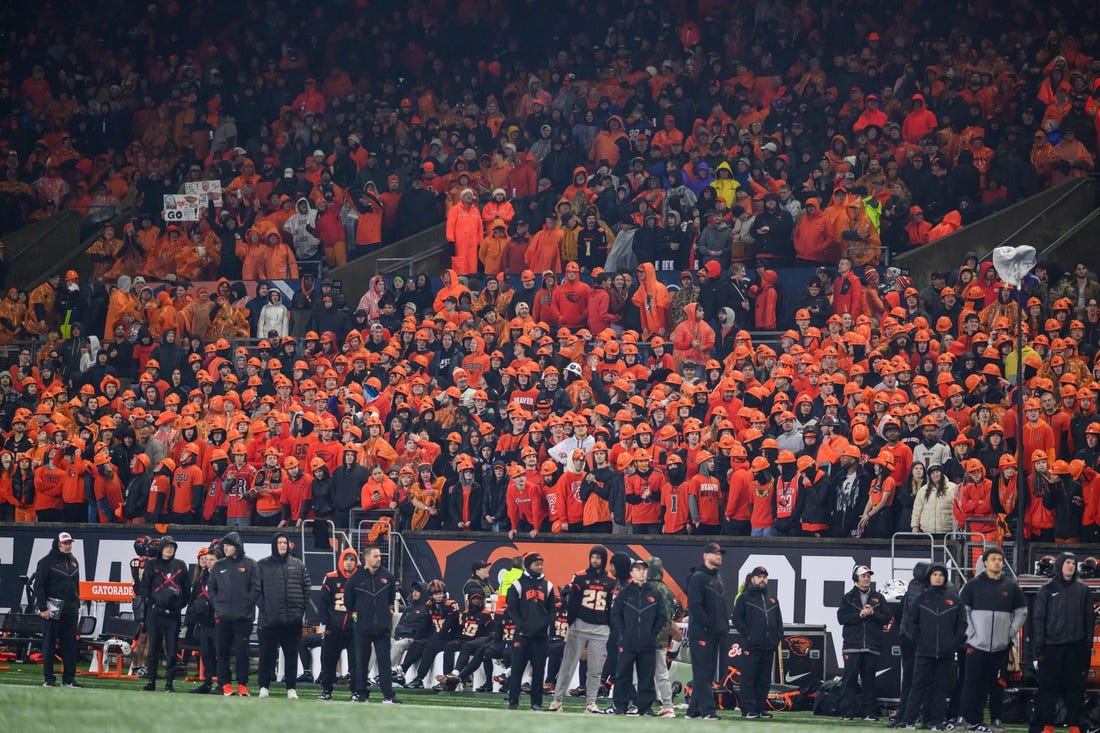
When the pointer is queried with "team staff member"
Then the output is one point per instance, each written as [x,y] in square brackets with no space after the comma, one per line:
[369,594]
[57,598]
[589,617]
[165,591]
[708,629]
[1062,630]
[639,612]
[200,615]
[234,589]
[339,630]
[284,595]
[937,625]
[531,604]
[478,582]
[996,611]
[757,616]
[862,614]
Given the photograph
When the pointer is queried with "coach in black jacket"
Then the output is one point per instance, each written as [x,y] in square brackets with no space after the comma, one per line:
[1062,630]
[531,601]
[57,582]
[369,596]
[757,616]
[862,614]
[165,590]
[234,588]
[936,622]
[284,595]
[639,614]
[708,629]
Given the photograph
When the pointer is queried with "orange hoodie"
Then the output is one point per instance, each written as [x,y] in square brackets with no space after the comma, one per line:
[653,300]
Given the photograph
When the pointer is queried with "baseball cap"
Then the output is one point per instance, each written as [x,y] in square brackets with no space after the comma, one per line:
[861,569]
[478,565]
[713,548]
[64,537]
[638,564]
[759,570]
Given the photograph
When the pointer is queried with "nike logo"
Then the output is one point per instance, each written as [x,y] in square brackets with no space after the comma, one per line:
[1054,595]
[793,677]
[882,672]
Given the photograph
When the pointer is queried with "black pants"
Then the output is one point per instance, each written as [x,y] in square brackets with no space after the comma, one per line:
[334,642]
[59,632]
[705,654]
[528,649]
[185,518]
[737,527]
[756,678]
[982,669]
[861,666]
[645,662]
[554,653]
[432,647]
[380,643]
[273,639]
[74,513]
[908,648]
[598,528]
[1063,671]
[164,634]
[231,638]
[649,528]
[470,656]
[204,637]
[49,515]
[932,683]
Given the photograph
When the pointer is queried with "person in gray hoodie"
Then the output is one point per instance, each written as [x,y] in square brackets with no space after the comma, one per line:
[996,611]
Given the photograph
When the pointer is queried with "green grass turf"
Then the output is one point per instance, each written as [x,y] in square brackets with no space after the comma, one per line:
[120,705]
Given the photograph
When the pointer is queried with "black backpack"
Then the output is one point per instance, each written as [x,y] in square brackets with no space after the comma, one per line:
[827,700]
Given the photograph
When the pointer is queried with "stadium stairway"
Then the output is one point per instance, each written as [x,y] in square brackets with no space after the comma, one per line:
[1060,223]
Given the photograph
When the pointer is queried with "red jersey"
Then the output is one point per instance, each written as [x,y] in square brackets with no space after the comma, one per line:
[237,483]
[645,509]
[676,502]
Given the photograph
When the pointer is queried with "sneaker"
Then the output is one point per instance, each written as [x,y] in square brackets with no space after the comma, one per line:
[169,688]
[149,687]
[667,713]
[592,708]
[692,715]
[611,711]
[291,694]
[487,687]
[49,683]
[935,727]
[869,718]
[141,672]
[766,715]
[73,685]
[648,713]
[750,716]
[979,728]
[391,701]
[500,679]
[555,706]
[242,690]
[203,689]
[709,716]
[325,696]
[344,680]
[536,708]
[848,718]
[604,691]
[356,697]
[513,706]
[264,692]
[632,710]
[415,685]
[227,690]
[547,688]
[525,688]
[305,676]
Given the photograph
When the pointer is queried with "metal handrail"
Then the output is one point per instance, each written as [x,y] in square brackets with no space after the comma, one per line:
[1069,190]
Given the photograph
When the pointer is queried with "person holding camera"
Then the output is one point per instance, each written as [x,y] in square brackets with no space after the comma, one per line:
[165,590]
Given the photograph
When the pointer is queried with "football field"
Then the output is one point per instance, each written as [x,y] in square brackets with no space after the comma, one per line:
[120,705]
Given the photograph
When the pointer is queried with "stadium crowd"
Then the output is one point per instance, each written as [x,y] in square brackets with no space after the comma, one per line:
[622,405]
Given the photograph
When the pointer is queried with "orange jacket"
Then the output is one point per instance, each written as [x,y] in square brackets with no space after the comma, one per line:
[464,226]
[653,300]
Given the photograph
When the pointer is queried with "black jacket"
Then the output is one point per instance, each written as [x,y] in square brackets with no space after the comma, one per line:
[234,584]
[862,634]
[757,616]
[590,594]
[164,587]
[284,587]
[708,615]
[1062,611]
[639,614]
[370,597]
[938,622]
[531,602]
[414,623]
[58,576]
[200,610]
[347,487]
